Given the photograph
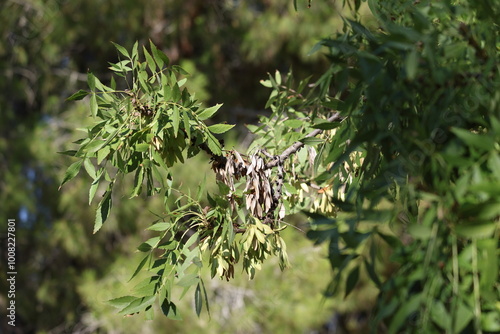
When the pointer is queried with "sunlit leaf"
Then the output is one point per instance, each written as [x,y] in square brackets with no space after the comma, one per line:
[71,172]
[93,105]
[188,280]
[140,266]
[139,304]
[121,302]
[208,112]
[220,128]
[91,79]
[149,60]
[121,49]
[311,141]
[78,95]
[160,58]
[175,120]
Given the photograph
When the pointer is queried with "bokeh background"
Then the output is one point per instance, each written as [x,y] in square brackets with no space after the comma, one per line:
[65,273]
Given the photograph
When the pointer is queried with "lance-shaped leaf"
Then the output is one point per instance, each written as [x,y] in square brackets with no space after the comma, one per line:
[220,128]
[121,49]
[209,112]
[103,210]
[71,172]
[78,95]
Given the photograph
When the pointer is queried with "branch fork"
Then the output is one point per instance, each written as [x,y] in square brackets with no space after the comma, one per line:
[261,199]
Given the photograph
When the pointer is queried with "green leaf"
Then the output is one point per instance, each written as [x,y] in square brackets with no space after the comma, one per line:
[176,92]
[93,189]
[93,105]
[103,210]
[149,60]
[103,154]
[213,144]
[188,280]
[89,167]
[490,321]
[159,160]
[480,141]
[419,231]
[140,266]
[187,126]
[404,312]
[389,239]
[149,244]
[277,77]
[147,287]
[71,172]
[266,83]
[91,79]
[205,295]
[142,147]
[440,315]
[220,128]
[135,48]
[411,64]
[208,112]
[488,264]
[138,180]
[78,95]
[121,49]
[326,125]
[139,304]
[160,58]
[192,239]
[179,70]
[149,313]
[293,123]
[181,82]
[198,300]
[190,256]
[169,309]
[370,269]
[352,280]
[167,92]
[311,141]
[121,302]
[175,120]
[463,316]
[121,67]
[160,227]
[476,230]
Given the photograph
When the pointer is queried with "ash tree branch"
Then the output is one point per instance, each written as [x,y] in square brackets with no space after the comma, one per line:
[298,145]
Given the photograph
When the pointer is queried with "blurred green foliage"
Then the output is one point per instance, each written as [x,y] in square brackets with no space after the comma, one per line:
[402,190]
[47,48]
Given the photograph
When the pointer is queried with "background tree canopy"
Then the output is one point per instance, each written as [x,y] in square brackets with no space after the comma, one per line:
[368,162]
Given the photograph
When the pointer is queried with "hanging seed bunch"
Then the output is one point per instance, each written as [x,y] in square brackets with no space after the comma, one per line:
[260,198]
[259,194]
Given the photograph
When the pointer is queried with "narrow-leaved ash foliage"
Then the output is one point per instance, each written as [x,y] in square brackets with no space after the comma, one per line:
[392,153]
[144,130]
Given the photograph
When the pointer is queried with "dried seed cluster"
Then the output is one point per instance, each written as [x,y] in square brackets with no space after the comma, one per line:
[259,194]
[260,198]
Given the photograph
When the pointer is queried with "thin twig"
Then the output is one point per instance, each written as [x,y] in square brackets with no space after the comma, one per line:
[298,145]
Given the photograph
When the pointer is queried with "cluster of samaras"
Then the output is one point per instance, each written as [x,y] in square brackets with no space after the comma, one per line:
[260,197]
